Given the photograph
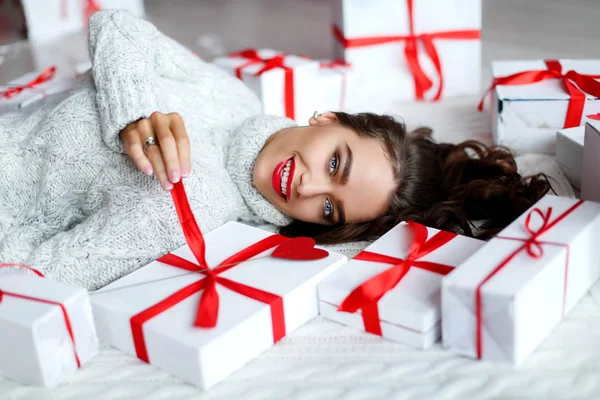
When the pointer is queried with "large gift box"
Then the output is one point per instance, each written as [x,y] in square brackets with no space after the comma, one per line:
[286,84]
[590,179]
[504,300]
[532,99]
[425,49]
[392,288]
[569,153]
[206,309]
[46,329]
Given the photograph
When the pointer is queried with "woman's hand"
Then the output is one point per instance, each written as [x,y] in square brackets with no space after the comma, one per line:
[169,158]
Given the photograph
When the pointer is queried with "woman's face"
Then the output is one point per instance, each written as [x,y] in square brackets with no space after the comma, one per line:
[325,173]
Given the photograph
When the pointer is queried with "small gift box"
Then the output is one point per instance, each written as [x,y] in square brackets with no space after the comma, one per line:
[505,299]
[531,100]
[392,288]
[32,87]
[569,153]
[286,84]
[46,329]
[590,174]
[411,50]
[202,313]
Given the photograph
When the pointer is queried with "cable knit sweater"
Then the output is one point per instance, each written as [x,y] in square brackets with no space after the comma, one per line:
[73,205]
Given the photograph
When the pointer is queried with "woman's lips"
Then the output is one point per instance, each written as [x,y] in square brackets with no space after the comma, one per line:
[277,177]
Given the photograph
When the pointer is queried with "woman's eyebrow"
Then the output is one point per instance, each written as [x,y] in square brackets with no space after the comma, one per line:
[347,165]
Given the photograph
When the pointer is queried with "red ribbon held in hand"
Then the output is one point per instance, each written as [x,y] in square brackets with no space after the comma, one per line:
[68,324]
[366,296]
[533,246]
[277,61]
[45,76]
[576,84]
[422,82]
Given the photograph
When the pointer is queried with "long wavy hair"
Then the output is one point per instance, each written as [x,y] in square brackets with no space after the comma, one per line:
[468,188]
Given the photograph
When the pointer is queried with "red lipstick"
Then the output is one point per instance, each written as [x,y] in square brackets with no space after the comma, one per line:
[277,177]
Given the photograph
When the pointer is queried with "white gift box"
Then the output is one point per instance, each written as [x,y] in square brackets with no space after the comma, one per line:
[245,327]
[410,311]
[294,99]
[36,347]
[387,64]
[30,95]
[526,117]
[590,175]
[505,300]
[569,153]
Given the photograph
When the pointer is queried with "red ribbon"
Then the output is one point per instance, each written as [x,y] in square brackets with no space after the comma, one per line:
[208,309]
[576,84]
[277,61]
[68,324]
[422,82]
[595,117]
[334,65]
[90,8]
[366,296]
[533,247]
[45,76]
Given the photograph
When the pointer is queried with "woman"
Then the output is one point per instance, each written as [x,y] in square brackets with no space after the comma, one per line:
[74,205]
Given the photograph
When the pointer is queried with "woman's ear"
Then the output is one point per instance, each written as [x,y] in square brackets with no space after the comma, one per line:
[322,119]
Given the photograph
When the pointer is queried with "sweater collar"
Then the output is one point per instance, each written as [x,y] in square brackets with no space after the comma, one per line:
[244,147]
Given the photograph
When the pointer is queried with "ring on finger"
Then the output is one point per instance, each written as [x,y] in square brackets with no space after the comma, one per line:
[150,141]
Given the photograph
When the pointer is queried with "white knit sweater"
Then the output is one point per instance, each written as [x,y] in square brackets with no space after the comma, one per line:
[75,206]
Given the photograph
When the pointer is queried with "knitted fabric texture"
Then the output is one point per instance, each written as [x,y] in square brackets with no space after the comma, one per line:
[73,205]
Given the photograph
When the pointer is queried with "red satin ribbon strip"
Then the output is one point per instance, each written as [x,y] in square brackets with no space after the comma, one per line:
[422,82]
[533,247]
[45,76]
[90,8]
[277,61]
[574,83]
[208,309]
[65,314]
[366,296]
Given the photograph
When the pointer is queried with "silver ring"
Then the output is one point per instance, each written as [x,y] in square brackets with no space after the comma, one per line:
[149,141]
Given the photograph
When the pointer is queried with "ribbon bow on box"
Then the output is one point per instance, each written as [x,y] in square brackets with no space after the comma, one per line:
[366,296]
[45,76]
[208,310]
[576,84]
[422,81]
[277,61]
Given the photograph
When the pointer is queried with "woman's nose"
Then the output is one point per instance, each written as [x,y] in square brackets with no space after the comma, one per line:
[311,186]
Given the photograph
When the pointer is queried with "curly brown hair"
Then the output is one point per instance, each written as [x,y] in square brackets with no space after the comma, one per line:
[444,186]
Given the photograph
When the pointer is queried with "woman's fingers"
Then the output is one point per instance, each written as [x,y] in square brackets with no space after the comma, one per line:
[183,144]
[153,153]
[134,147]
[168,146]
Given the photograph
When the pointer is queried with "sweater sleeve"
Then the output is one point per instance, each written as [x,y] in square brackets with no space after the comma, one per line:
[128,54]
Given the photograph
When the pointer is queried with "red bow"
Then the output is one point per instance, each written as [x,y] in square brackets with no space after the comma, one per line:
[68,324]
[533,246]
[208,309]
[277,61]
[574,83]
[422,82]
[366,296]
[45,76]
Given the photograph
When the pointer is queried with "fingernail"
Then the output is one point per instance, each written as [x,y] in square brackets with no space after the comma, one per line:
[185,173]
[175,177]
[168,186]
[148,170]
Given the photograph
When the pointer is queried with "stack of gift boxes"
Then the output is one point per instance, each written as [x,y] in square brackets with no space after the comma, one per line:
[206,309]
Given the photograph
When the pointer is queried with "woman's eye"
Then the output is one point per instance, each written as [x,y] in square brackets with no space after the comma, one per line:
[327,208]
[333,164]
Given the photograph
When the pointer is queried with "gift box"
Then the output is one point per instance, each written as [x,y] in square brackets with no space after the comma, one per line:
[590,174]
[505,299]
[532,99]
[569,153]
[341,87]
[423,49]
[208,308]
[286,84]
[32,87]
[46,329]
[392,288]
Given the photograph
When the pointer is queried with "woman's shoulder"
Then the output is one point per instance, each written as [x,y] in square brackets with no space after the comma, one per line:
[532,164]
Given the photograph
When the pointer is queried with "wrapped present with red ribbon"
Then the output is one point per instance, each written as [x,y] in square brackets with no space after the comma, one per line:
[286,84]
[569,153]
[47,329]
[532,99]
[507,298]
[411,50]
[590,173]
[206,309]
[392,288]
